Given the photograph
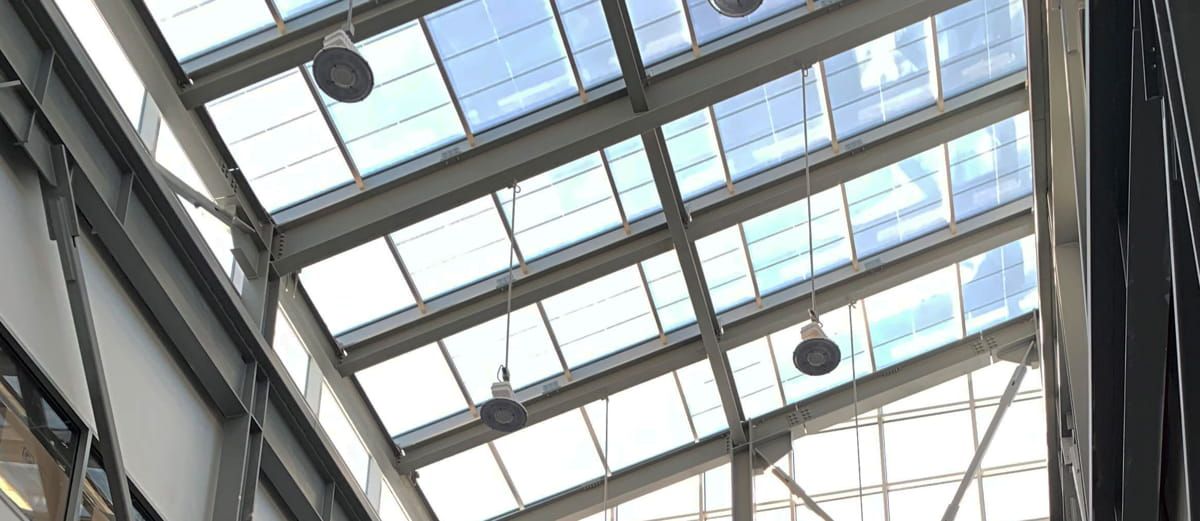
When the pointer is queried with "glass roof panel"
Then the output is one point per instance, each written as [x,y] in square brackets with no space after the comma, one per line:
[631,175]
[710,25]
[357,286]
[601,317]
[669,291]
[778,241]
[291,350]
[412,389]
[979,41]
[333,419]
[473,470]
[999,284]
[798,386]
[764,126]
[1021,437]
[289,9]
[726,269]
[914,317]
[192,27]
[928,446]
[929,502]
[550,456]
[590,41]
[692,146]
[754,374]
[563,206]
[702,398]
[681,498]
[454,248]
[111,62]
[502,62]
[660,28]
[478,352]
[280,141]
[647,419]
[1019,495]
[821,458]
[899,202]
[990,167]
[880,80]
[408,113]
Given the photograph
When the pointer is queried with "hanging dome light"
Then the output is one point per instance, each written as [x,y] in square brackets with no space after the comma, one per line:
[816,354]
[340,71]
[735,8]
[503,412]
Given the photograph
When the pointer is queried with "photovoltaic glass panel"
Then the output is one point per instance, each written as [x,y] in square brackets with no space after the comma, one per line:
[837,325]
[550,456]
[779,241]
[280,141]
[478,353]
[646,420]
[502,62]
[668,290]
[408,113]
[357,286]
[899,202]
[289,9]
[590,41]
[711,25]
[192,27]
[754,374]
[601,317]
[660,28]
[692,146]
[563,206]
[723,259]
[979,41]
[990,167]
[454,248]
[475,470]
[412,389]
[999,284]
[702,398]
[764,126]
[914,317]
[633,179]
[880,80]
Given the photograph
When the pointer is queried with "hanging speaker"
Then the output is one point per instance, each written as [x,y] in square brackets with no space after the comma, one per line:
[340,71]
[816,354]
[735,8]
[503,412]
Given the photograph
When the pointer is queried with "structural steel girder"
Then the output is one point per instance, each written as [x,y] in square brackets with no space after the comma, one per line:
[806,416]
[752,196]
[741,325]
[413,191]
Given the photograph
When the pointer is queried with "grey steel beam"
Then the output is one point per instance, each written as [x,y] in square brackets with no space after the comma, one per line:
[806,416]
[628,55]
[697,287]
[269,52]
[647,237]
[408,193]
[743,324]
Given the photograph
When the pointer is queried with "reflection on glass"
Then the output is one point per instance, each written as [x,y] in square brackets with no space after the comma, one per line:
[914,317]
[779,241]
[601,317]
[502,62]
[454,248]
[990,167]
[193,27]
[764,126]
[999,284]
[879,81]
[897,203]
[979,41]
[590,41]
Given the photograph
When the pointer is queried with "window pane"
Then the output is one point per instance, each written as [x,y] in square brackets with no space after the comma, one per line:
[291,351]
[631,174]
[478,352]
[711,25]
[999,284]
[914,317]
[550,456]
[192,27]
[409,111]
[755,378]
[836,324]
[779,241]
[821,460]
[454,248]
[561,207]
[879,81]
[502,62]
[897,203]
[990,167]
[280,141]
[601,317]
[764,126]
[1021,436]
[669,291]
[979,41]
[929,502]
[647,420]
[357,286]
[871,509]
[692,146]
[659,28]
[953,393]
[681,498]
[928,446]
[474,470]
[412,389]
[703,399]
[723,259]
[590,41]
[390,508]
[114,67]
[1017,496]
[333,419]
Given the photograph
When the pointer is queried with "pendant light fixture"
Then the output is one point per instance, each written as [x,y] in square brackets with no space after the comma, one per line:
[504,413]
[735,8]
[816,354]
[338,68]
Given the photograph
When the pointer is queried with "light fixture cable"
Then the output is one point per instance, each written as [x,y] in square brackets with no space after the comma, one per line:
[854,391]
[512,253]
[812,272]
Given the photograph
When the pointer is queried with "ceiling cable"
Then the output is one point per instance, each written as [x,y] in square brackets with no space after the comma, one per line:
[812,273]
[607,469]
[854,390]
[512,252]
[350,17]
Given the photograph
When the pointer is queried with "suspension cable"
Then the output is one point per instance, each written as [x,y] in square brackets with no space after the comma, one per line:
[854,390]
[512,253]
[812,272]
